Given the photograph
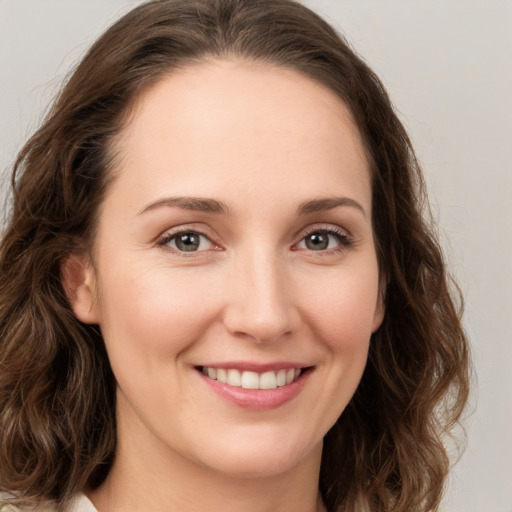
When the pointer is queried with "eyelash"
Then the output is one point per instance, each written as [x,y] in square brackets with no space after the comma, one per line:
[343,238]
[169,237]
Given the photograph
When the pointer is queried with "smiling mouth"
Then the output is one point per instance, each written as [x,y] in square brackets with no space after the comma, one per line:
[253,380]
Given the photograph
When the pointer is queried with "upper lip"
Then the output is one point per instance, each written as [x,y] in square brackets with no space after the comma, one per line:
[256,367]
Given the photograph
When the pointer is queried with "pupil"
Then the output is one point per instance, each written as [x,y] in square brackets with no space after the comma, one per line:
[317,241]
[188,242]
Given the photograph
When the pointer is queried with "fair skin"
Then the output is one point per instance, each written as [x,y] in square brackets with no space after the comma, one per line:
[262,173]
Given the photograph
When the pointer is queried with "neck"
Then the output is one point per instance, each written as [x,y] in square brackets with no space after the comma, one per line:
[147,476]
[146,487]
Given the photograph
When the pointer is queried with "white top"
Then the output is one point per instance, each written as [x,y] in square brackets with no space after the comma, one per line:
[79,504]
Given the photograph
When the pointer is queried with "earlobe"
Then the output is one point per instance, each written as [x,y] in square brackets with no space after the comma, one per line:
[378,317]
[79,283]
[380,308]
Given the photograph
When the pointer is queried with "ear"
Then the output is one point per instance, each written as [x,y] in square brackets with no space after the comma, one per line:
[380,307]
[79,283]
[380,311]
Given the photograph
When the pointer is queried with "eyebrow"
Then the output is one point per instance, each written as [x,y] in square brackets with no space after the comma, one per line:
[198,204]
[328,203]
[207,205]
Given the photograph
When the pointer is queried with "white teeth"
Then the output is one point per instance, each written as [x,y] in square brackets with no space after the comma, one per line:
[268,380]
[252,380]
[222,375]
[234,378]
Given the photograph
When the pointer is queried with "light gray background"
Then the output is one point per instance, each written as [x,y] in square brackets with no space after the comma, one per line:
[447,65]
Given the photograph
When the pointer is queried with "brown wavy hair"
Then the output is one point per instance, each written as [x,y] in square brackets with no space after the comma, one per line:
[57,391]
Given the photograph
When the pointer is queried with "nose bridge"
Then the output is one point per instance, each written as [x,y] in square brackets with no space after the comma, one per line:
[259,298]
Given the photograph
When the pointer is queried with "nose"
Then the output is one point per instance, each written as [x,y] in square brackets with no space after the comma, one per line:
[260,303]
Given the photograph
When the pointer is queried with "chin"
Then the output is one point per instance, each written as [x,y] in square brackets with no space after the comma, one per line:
[260,460]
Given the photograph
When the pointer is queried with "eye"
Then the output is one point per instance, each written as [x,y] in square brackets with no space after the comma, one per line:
[187,241]
[324,240]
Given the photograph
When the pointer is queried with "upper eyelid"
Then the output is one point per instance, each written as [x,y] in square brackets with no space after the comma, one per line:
[187,228]
[330,229]
[325,227]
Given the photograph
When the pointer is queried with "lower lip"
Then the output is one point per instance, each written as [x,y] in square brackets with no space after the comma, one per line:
[258,399]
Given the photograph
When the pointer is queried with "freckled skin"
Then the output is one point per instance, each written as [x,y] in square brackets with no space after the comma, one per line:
[262,140]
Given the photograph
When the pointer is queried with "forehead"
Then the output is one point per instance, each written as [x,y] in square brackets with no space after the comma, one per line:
[216,125]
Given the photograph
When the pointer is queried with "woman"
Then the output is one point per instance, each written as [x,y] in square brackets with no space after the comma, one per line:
[218,290]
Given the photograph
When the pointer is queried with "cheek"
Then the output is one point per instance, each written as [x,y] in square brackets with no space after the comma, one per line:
[340,311]
[344,307]
[153,312]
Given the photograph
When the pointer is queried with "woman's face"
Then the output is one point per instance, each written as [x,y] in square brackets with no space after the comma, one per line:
[235,253]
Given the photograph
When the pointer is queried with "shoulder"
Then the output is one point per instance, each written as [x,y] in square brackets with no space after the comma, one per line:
[79,504]
[5,506]
[8,508]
